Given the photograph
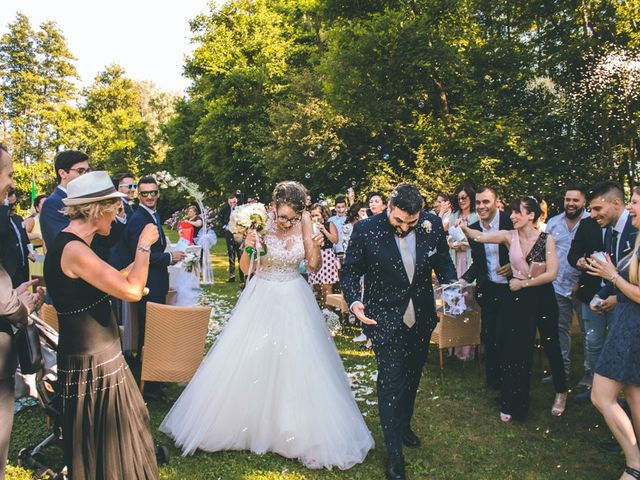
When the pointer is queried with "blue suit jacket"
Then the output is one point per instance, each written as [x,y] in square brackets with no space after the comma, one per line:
[374,255]
[125,252]
[52,220]
[625,246]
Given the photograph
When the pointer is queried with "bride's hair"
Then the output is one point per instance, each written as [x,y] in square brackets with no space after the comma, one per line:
[292,194]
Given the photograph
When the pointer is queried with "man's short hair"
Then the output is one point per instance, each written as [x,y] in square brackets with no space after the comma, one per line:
[340,199]
[147,180]
[232,195]
[575,187]
[487,188]
[407,198]
[117,178]
[66,159]
[608,188]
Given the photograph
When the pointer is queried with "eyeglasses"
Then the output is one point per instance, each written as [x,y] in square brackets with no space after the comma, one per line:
[463,197]
[151,193]
[292,221]
[80,171]
[130,186]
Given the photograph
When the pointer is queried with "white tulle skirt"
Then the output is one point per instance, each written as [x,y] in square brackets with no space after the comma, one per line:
[273,382]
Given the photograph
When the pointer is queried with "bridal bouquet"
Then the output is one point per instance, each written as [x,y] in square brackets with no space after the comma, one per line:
[249,216]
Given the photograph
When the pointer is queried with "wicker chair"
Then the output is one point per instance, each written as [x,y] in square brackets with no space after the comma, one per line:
[173,343]
[456,331]
[50,316]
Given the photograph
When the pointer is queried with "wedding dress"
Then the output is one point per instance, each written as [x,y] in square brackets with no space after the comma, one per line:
[273,381]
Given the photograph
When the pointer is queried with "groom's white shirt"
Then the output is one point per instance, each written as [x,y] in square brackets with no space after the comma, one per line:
[411,243]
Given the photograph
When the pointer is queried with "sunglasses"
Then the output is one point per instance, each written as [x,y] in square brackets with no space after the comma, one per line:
[463,197]
[151,193]
[130,186]
[80,171]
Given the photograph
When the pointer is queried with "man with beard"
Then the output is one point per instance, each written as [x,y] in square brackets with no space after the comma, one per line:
[563,227]
[396,252]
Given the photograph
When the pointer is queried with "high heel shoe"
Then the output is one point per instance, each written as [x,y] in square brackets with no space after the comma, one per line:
[559,404]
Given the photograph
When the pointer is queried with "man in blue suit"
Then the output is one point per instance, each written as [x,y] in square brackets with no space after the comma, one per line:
[69,164]
[158,277]
[396,252]
[616,236]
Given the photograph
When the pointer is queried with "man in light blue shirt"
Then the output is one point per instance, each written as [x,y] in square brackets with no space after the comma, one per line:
[338,220]
[563,227]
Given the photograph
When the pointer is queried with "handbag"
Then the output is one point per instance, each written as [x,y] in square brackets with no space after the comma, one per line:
[27,344]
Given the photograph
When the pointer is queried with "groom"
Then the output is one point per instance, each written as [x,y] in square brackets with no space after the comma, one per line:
[396,252]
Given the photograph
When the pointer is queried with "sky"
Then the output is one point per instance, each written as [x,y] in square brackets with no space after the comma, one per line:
[149,38]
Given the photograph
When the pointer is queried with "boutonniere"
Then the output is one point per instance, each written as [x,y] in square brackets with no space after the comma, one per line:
[426,225]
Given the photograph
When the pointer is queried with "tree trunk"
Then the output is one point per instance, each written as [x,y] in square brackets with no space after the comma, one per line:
[443,102]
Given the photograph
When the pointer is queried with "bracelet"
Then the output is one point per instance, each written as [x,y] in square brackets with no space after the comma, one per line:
[144,248]
[614,278]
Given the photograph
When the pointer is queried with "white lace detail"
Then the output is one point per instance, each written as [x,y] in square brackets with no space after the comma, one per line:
[285,251]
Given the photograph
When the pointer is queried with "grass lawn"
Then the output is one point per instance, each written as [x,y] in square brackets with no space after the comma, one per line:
[456,419]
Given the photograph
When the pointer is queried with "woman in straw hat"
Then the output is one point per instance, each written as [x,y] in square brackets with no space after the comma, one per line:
[105,423]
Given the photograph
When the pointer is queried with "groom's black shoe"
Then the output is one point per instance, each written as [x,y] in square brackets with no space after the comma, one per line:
[395,468]
[410,439]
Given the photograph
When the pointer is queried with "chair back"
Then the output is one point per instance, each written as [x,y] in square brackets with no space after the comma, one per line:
[174,342]
[50,316]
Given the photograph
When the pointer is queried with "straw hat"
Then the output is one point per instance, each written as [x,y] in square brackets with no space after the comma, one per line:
[91,187]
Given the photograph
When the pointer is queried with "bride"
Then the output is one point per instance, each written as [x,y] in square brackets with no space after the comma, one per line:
[273,381]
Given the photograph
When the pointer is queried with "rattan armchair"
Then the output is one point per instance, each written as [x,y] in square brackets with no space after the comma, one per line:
[174,342]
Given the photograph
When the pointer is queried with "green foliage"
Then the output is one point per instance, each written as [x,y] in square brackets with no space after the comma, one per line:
[36,81]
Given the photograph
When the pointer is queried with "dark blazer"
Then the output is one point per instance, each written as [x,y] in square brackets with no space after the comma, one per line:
[374,254]
[224,214]
[625,246]
[52,220]
[478,269]
[12,257]
[588,239]
[125,252]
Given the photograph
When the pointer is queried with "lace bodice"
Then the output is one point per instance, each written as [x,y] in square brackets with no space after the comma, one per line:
[285,251]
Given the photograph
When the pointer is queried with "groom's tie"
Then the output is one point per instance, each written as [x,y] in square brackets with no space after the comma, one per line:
[409,317]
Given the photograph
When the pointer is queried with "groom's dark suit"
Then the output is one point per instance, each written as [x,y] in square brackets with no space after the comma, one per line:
[400,351]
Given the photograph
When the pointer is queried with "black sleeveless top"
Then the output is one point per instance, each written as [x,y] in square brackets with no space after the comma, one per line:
[87,324]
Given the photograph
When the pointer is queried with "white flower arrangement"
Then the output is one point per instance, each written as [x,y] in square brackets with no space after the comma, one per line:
[249,216]
[453,300]
[427,226]
[190,261]
[166,180]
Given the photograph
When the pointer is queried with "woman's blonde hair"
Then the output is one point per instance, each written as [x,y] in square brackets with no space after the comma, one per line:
[92,211]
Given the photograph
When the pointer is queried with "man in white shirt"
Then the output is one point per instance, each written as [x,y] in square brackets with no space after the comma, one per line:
[563,227]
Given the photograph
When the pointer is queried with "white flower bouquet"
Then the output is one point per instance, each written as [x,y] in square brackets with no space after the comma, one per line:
[249,216]
[190,261]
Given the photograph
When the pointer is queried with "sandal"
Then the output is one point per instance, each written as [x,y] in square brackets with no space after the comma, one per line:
[632,472]
[505,417]
[559,404]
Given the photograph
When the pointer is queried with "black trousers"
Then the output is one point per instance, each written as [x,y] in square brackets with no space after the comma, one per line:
[525,310]
[492,301]
[400,364]
[233,253]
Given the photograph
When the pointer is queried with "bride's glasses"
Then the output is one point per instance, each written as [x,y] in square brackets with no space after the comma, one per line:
[290,221]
